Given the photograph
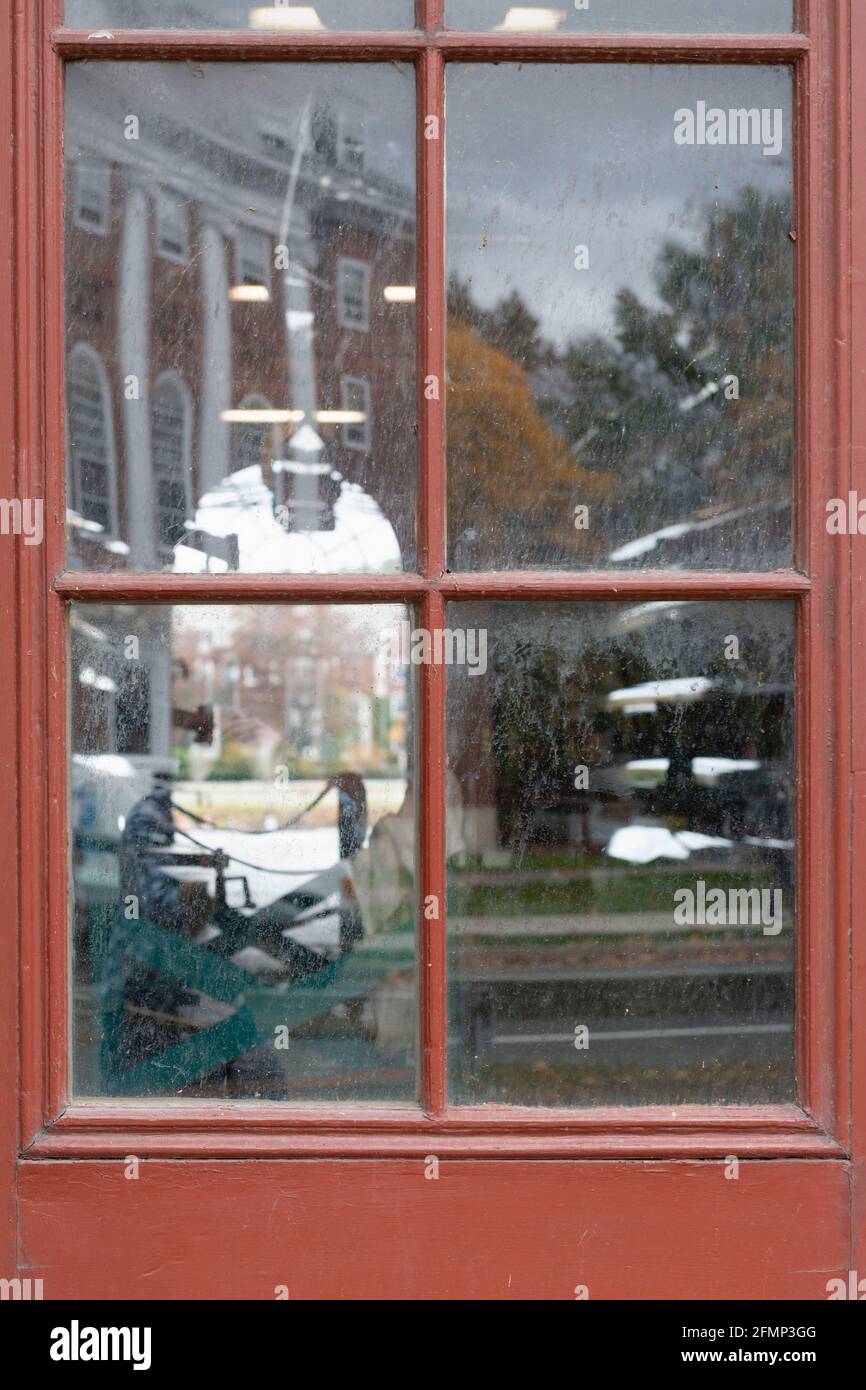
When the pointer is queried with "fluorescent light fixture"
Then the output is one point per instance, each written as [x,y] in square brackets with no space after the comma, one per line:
[250,416]
[400,294]
[680,690]
[249,294]
[340,417]
[285,17]
[81,523]
[524,19]
[87,676]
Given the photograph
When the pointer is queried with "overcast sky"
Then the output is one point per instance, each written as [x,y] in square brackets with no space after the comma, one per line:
[542,158]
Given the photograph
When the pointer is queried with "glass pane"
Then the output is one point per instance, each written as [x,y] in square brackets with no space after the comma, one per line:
[624,16]
[243,853]
[284,15]
[240,317]
[620,317]
[621,856]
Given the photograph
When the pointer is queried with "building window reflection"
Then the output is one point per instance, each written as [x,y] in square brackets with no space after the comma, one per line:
[356,400]
[353,294]
[91,442]
[172,227]
[171,442]
[91,197]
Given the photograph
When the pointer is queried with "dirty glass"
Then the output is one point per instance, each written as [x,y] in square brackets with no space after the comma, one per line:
[621,852]
[623,16]
[620,317]
[283,15]
[242,835]
[240,317]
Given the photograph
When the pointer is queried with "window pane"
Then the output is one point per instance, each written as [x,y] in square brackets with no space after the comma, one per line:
[284,15]
[624,16]
[235,234]
[621,857]
[620,317]
[244,853]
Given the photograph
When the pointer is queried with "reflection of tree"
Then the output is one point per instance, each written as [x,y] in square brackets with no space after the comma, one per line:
[508,469]
[650,407]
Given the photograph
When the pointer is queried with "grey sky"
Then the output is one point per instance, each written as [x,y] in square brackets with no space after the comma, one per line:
[542,158]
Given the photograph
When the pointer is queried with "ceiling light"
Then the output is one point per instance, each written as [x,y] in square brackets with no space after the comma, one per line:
[400,294]
[285,17]
[340,417]
[250,416]
[524,18]
[249,294]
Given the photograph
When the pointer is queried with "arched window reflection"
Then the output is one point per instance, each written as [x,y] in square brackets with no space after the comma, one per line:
[92,455]
[252,439]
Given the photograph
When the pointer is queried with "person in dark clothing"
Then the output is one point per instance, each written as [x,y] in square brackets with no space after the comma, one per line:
[159,1008]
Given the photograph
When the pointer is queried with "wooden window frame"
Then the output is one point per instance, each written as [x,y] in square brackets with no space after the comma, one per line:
[34,580]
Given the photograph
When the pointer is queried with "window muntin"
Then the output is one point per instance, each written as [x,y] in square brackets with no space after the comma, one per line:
[243,716]
[623,16]
[620,317]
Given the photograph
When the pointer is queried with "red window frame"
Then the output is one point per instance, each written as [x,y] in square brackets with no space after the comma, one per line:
[819,584]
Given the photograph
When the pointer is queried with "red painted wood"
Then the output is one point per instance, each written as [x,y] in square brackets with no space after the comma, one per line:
[377,1227]
[431,794]
[234,45]
[538,584]
[824,640]
[431,15]
[231,45]
[431,313]
[106,1131]
[482,1230]
[34,769]
[8,679]
[55,871]
[858,652]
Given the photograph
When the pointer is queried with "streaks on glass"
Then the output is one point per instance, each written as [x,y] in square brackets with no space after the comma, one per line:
[621,856]
[243,843]
[620,317]
[240,372]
